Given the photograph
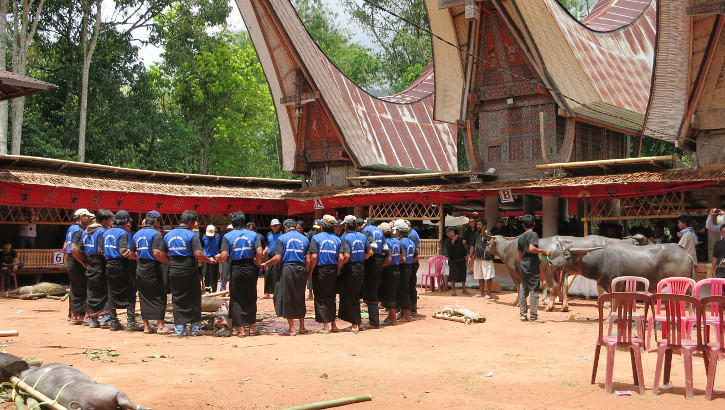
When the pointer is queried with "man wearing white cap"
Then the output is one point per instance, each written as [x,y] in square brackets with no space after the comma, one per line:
[77,265]
[210,271]
[391,274]
[271,272]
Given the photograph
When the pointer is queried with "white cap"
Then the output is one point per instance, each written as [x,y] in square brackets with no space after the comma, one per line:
[275,221]
[230,226]
[82,212]
[210,230]
[350,219]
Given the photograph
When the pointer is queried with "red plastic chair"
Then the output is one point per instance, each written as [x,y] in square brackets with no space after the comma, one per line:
[716,289]
[678,309]
[714,350]
[624,306]
[630,284]
[676,286]
[436,276]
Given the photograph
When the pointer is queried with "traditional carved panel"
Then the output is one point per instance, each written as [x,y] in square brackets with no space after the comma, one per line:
[406,210]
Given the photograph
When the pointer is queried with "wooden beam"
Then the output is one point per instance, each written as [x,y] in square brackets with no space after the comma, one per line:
[709,7]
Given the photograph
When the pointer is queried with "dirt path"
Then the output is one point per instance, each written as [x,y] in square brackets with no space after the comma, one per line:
[429,363]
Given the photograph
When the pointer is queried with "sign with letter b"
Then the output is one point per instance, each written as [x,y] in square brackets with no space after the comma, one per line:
[506,195]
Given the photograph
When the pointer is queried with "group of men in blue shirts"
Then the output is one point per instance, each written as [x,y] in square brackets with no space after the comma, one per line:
[108,264]
[362,260]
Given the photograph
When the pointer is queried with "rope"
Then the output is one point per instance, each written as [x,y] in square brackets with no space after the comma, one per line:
[59,391]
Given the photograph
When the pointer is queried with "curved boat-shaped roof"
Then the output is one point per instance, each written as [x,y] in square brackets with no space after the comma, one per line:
[609,15]
[606,75]
[394,133]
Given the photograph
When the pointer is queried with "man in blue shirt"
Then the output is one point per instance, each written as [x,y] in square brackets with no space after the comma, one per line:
[183,248]
[414,267]
[77,266]
[146,249]
[373,270]
[326,258]
[352,274]
[92,242]
[270,274]
[289,294]
[391,273]
[121,280]
[210,271]
[408,249]
[243,249]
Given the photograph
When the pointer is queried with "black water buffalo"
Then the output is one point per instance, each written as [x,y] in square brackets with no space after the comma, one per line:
[602,264]
[71,388]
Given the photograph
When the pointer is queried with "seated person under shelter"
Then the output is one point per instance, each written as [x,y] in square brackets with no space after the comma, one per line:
[10,263]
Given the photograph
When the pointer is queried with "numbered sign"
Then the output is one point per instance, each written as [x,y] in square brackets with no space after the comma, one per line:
[58,258]
[506,195]
[318,204]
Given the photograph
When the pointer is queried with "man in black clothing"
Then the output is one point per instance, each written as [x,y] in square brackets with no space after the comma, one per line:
[10,263]
[454,249]
[718,256]
[528,244]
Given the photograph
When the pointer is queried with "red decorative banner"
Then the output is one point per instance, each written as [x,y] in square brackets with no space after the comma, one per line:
[72,198]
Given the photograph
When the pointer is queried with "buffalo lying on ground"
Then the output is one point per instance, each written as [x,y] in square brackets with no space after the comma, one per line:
[71,388]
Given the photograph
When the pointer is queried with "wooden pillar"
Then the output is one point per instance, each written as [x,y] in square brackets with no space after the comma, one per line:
[319,213]
[550,216]
[614,207]
[583,226]
[359,212]
[564,209]
[491,210]
[528,204]
[441,222]
[713,201]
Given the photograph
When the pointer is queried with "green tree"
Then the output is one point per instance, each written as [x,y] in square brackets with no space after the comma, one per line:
[216,85]
[405,45]
[578,8]
[360,64]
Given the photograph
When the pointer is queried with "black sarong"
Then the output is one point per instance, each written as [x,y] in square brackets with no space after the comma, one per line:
[151,289]
[412,286]
[210,274]
[350,285]
[121,286]
[371,280]
[271,274]
[243,292]
[78,286]
[389,285]
[289,294]
[402,296]
[324,280]
[97,285]
[185,290]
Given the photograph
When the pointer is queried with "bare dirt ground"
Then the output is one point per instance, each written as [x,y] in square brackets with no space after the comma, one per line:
[427,364]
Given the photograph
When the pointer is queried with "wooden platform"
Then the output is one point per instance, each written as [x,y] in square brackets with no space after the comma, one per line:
[40,261]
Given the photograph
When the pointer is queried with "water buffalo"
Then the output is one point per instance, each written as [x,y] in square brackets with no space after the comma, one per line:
[71,388]
[506,249]
[604,263]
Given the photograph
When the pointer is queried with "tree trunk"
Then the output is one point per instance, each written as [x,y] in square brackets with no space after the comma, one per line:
[88,49]
[17,125]
[23,33]
[3,66]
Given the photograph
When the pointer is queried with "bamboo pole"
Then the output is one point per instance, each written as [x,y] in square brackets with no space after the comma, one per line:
[333,403]
[220,293]
[6,333]
[38,395]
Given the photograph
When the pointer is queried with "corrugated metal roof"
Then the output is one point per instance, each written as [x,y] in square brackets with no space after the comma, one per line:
[608,15]
[14,85]
[619,63]
[397,131]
